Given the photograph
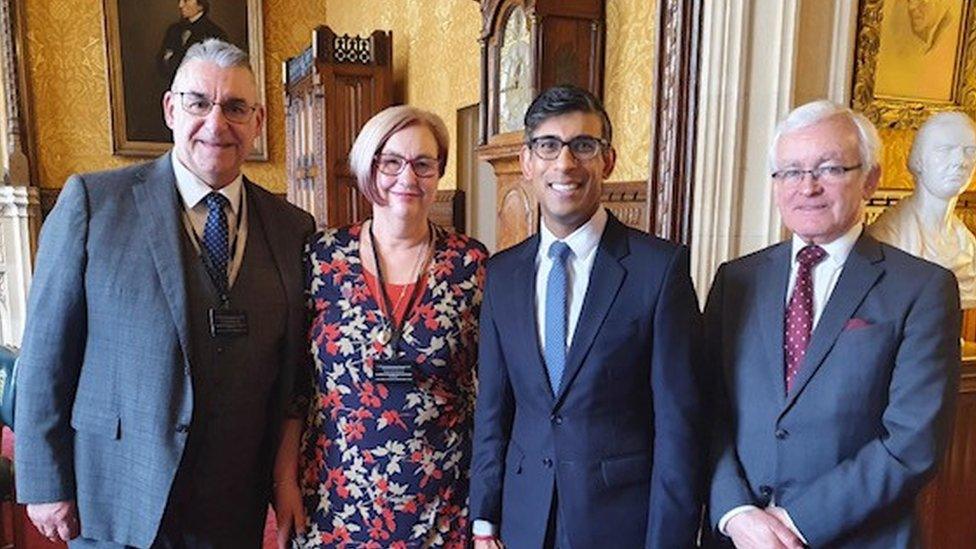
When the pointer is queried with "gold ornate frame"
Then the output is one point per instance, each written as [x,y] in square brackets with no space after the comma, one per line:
[122,145]
[908,114]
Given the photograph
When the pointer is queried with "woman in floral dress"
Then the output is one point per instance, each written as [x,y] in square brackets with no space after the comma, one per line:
[384,456]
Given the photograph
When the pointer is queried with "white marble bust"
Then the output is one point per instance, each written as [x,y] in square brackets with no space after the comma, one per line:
[941,160]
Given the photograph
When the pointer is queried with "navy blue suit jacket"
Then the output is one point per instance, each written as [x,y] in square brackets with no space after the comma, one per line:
[619,442]
[863,427]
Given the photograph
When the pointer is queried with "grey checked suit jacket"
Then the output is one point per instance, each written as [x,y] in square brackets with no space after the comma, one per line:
[104,383]
[865,424]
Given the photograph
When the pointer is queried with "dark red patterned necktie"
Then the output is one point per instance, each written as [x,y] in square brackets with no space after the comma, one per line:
[799,313]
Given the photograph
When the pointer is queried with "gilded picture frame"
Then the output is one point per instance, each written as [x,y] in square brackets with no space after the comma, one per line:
[146,39]
[914,58]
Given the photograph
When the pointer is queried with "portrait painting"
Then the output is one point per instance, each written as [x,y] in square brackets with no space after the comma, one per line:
[914,58]
[919,50]
[146,42]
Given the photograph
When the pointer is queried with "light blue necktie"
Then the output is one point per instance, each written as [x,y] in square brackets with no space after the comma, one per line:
[215,237]
[556,311]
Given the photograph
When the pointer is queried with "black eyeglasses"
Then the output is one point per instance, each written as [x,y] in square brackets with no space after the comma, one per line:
[582,147]
[394,164]
[237,111]
[793,176]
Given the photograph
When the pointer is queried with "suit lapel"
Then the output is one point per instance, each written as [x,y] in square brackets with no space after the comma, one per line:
[157,201]
[861,271]
[522,304]
[606,278]
[772,289]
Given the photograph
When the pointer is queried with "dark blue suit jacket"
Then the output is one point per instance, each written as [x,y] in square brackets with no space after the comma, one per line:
[846,451]
[619,442]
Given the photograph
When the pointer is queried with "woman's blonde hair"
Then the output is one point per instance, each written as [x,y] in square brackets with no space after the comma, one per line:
[377,131]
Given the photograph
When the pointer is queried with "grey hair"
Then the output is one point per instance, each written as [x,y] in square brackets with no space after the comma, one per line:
[378,130]
[213,50]
[804,116]
[934,123]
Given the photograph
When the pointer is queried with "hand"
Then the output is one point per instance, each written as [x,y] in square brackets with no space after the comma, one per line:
[56,521]
[289,511]
[490,543]
[759,529]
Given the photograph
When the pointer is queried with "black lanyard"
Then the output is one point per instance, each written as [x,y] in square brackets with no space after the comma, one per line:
[221,285]
[387,302]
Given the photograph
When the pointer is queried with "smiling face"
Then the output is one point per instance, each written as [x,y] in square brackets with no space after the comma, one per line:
[568,189]
[406,195]
[210,146]
[820,211]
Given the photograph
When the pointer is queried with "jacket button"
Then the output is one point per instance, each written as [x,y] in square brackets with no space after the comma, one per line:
[766,491]
[547,463]
[182,428]
[782,434]
[556,419]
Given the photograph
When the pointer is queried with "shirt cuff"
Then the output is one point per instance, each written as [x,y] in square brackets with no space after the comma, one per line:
[484,528]
[792,526]
[724,521]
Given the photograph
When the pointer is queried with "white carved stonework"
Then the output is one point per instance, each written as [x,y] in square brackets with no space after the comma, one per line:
[19,218]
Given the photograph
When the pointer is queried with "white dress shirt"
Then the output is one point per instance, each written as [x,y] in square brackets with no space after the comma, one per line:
[583,244]
[825,275]
[192,191]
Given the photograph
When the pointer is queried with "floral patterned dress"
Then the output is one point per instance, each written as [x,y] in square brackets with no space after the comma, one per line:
[386,464]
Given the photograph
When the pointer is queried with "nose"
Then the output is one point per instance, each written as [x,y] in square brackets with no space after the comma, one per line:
[809,186]
[565,160]
[215,119]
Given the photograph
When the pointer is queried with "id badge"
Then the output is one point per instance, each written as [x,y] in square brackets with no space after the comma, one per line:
[227,322]
[393,372]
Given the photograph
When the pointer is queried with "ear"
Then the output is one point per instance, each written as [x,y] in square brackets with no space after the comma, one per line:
[169,103]
[525,161]
[871,182]
[609,161]
[259,115]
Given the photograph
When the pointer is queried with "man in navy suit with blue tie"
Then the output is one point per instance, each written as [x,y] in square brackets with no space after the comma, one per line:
[588,417]
[836,358]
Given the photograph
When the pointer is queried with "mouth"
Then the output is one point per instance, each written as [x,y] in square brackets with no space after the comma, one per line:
[565,188]
[810,208]
[218,145]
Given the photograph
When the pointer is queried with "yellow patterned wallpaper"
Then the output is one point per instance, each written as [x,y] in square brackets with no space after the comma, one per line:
[629,83]
[436,66]
[66,65]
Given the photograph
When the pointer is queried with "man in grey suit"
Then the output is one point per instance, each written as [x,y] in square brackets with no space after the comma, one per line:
[836,358]
[165,334]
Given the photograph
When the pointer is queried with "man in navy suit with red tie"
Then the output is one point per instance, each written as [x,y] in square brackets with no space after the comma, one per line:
[588,416]
[836,358]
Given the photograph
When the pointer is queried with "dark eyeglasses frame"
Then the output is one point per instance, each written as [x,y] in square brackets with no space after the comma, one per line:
[223,107]
[533,143]
[797,175]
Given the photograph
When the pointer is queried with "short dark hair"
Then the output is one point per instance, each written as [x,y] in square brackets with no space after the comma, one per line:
[204,5]
[563,99]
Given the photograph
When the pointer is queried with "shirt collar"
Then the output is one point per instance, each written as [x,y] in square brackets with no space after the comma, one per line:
[192,189]
[583,241]
[838,249]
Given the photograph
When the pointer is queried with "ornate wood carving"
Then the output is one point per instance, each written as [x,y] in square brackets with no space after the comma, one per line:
[16,90]
[331,89]
[673,153]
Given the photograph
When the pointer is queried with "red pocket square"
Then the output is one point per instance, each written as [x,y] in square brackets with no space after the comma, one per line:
[856,323]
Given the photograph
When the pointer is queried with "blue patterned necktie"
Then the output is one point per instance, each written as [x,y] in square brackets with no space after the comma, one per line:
[215,236]
[556,312]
